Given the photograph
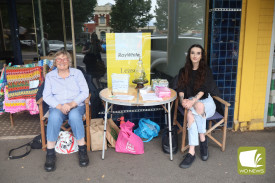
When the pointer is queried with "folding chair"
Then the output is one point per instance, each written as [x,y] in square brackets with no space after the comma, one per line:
[217,116]
[65,126]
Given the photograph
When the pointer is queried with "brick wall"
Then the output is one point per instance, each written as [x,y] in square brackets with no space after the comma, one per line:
[255,40]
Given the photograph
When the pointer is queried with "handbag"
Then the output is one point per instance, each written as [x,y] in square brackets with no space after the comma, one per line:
[66,143]
[36,143]
[147,129]
[100,68]
[127,141]
[165,140]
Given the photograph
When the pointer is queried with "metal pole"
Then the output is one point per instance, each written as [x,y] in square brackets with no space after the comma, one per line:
[34,23]
[72,27]
[63,23]
[105,127]
[41,28]
[3,44]
[170,131]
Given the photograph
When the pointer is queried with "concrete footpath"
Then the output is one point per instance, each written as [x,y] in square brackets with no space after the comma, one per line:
[152,167]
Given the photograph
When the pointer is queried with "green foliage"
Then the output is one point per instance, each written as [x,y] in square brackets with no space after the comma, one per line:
[52,16]
[190,15]
[78,49]
[161,11]
[83,12]
[128,15]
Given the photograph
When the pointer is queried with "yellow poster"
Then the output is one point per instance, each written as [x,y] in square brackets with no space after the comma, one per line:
[124,51]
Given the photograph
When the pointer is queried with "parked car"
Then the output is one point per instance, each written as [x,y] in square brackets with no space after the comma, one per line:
[44,41]
[56,45]
[27,42]
[170,64]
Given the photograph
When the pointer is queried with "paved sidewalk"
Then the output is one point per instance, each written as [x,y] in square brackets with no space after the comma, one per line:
[25,125]
[152,167]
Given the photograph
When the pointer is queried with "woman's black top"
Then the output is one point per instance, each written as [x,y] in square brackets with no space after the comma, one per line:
[92,57]
[207,87]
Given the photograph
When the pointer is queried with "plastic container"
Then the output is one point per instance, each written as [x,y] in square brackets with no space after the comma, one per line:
[159,82]
[162,91]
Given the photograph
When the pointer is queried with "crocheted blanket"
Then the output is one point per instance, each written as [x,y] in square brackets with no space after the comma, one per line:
[18,81]
[18,105]
[2,86]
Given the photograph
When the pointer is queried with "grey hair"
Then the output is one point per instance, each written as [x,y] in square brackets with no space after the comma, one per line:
[62,52]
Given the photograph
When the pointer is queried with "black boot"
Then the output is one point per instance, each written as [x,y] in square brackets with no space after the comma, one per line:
[204,149]
[50,160]
[187,161]
[82,155]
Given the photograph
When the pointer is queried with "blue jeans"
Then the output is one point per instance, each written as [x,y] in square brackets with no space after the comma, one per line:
[56,119]
[199,125]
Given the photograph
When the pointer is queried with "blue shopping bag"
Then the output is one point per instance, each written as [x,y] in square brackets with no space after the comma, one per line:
[147,129]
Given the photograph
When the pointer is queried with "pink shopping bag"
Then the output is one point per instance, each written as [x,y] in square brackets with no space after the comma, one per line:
[127,141]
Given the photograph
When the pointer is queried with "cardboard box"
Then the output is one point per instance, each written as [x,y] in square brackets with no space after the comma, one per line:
[159,82]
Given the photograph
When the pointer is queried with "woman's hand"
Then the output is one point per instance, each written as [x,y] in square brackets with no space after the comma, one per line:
[59,106]
[186,103]
[72,104]
[65,108]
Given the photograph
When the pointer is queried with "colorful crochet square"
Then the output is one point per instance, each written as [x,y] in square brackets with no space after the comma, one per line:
[2,86]
[13,106]
[47,66]
[18,79]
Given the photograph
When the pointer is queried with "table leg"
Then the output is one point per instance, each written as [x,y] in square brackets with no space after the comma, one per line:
[165,116]
[105,126]
[170,131]
[112,111]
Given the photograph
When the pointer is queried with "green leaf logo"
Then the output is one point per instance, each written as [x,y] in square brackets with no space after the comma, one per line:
[251,160]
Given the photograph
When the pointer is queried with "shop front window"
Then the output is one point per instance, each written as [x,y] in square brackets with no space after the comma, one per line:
[172,30]
[174,25]
[54,27]
[5,36]
[177,29]
[27,35]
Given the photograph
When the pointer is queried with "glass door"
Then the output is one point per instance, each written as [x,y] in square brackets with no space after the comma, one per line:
[269,117]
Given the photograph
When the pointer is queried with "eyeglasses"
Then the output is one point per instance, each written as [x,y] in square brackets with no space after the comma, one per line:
[62,60]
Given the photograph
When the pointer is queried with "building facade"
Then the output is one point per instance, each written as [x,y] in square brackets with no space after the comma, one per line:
[238,36]
[255,66]
[102,19]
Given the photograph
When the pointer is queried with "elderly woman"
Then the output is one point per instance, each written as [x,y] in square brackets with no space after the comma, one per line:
[65,91]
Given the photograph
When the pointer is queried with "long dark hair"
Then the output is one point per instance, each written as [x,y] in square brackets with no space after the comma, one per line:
[184,78]
[96,48]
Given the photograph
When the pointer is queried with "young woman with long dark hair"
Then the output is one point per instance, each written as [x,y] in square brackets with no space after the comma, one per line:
[194,88]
